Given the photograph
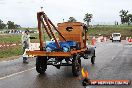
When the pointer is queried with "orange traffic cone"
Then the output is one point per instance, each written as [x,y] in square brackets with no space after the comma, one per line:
[105,39]
[93,41]
[131,40]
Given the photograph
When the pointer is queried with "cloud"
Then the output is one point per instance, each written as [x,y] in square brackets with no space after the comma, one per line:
[24,12]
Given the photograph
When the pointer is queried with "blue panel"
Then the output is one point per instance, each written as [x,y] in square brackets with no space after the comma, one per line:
[65,46]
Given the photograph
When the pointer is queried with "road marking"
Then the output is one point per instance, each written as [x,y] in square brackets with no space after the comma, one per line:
[16,73]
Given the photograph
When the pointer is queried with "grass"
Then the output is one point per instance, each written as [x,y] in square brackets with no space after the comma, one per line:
[10,38]
[7,52]
[14,38]
[125,31]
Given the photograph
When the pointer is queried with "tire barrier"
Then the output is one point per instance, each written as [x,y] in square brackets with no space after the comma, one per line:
[8,45]
[129,39]
[102,39]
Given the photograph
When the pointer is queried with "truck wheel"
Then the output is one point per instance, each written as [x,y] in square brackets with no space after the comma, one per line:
[78,47]
[76,65]
[41,64]
[93,58]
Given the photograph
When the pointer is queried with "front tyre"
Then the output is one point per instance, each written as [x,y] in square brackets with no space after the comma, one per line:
[41,64]
[76,65]
[93,58]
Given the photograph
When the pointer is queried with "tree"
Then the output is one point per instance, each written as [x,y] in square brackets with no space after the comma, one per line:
[130,18]
[12,25]
[88,18]
[2,25]
[72,19]
[17,26]
[124,16]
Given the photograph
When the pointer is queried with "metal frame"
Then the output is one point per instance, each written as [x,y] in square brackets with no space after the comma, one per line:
[66,54]
[44,21]
[45,58]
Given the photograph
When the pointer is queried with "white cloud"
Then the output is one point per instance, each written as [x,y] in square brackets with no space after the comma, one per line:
[23,12]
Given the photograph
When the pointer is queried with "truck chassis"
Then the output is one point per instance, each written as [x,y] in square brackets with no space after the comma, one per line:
[72,58]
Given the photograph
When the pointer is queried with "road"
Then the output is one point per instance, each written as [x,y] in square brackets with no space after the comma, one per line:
[113,61]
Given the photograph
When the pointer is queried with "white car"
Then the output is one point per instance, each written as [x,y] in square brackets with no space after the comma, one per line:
[116,37]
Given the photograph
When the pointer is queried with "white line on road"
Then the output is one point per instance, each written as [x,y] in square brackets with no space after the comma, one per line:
[16,73]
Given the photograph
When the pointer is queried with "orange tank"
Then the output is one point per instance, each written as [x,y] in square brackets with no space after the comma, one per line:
[72,31]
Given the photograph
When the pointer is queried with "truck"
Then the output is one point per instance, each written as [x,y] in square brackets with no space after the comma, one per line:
[66,46]
[116,37]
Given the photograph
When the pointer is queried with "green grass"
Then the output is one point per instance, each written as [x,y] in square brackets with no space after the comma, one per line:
[10,51]
[7,52]
[20,29]
[9,38]
[15,38]
[17,50]
[108,30]
[28,28]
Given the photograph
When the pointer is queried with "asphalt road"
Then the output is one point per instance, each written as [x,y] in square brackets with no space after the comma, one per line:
[113,61]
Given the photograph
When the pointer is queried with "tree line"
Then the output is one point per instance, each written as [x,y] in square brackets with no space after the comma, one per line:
[8,25]
[87,18]
[125,17]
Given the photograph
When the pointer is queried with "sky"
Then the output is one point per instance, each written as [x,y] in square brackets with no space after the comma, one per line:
[24,12]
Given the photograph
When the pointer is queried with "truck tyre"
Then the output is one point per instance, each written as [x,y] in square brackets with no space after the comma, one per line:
[93,58]
[78,47]
[76,65]
[41,64]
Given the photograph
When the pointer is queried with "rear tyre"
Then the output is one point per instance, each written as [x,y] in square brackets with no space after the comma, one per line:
[93,58]
[76,65]
[41,64]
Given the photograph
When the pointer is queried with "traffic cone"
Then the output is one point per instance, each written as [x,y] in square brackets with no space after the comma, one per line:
[131,40]
[93,41]
[105,39]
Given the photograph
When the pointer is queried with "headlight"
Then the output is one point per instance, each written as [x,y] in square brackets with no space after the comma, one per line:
[65,49]
[48,49]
